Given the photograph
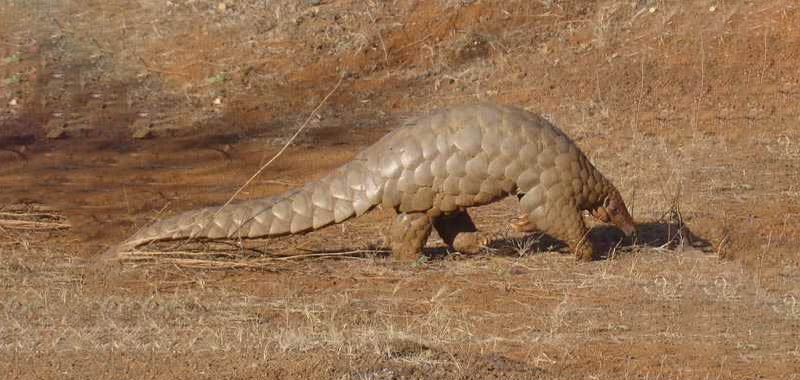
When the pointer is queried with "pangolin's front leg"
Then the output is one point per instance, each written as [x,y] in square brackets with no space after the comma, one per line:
[460,234]
[408,235]
[522,223]
[564,222]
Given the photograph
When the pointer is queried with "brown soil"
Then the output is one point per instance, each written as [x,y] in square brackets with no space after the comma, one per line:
[691,108]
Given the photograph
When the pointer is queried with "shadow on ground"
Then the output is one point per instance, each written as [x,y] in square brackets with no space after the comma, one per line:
[608,241]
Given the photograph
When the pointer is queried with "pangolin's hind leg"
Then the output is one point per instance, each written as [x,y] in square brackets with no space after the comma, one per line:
[408,235]
[565,222]
[459,233]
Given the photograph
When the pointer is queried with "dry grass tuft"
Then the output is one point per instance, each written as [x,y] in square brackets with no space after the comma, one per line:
[31,217]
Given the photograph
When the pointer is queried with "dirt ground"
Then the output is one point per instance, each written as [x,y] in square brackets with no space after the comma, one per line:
[116,113]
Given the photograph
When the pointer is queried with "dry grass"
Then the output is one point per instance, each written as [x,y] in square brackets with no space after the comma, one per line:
[690,111]
[552,310]
[17,218]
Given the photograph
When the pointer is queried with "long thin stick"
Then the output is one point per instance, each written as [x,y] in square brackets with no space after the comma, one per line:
[32,225]
[284,146]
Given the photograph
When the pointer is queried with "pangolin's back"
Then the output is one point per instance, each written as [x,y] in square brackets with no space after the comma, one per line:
[472,155]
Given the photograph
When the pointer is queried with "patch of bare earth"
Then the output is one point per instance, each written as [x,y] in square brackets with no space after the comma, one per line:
[116,113]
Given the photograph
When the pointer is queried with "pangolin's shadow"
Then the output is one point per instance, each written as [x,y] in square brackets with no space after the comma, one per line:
[665,236]
[608,241]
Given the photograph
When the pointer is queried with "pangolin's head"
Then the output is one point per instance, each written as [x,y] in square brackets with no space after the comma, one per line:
[613,211]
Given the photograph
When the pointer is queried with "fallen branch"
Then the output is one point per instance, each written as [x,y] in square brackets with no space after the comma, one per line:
[32,225]
[195,260]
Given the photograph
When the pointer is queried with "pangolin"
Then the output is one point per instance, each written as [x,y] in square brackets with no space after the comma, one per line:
[430,171]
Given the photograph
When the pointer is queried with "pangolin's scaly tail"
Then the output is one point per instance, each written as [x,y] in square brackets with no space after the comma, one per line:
[351,190]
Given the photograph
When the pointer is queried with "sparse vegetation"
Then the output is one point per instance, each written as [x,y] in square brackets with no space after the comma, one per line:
[690,107]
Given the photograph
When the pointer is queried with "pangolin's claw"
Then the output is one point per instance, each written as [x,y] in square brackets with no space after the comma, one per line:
[521,223]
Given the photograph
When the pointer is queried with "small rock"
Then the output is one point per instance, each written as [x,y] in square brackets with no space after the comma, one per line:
[56,128]
[222,7]
[56,133]
[142,129]
[313,2]
[142,133]
[13,102]
[218,101]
